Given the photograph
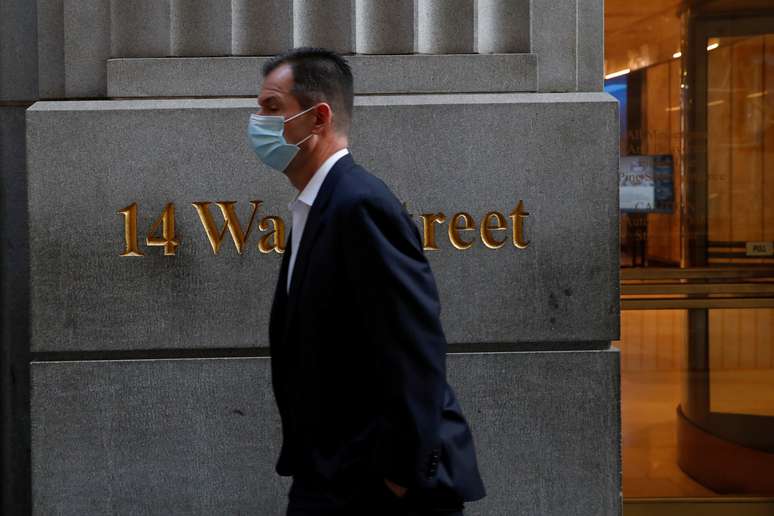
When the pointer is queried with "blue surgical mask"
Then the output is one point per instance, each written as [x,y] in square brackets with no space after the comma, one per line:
[268,141]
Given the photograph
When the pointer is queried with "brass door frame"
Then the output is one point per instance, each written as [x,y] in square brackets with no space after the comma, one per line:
[695,286]
[697,31]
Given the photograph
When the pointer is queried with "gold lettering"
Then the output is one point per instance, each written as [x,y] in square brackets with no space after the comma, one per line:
[278,234]
[162,232]
[131,248]
[167,239]
[231,222]
[428,240]
[517,216]
[454,227]
[487,227]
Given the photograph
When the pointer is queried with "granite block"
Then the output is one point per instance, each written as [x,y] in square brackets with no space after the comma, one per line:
[554,34]
[240,76]
[261,28]
[51,68]
[200,436]
[328,24]
[384,27]
[18,60]
[155,437]
[547,430]
[87,160]
[201,27]
[140,28]
[445,26]
[86,47]
[503,26]
[591,45]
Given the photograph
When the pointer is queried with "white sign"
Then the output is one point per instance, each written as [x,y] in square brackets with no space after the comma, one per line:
[636,185]
[760,248]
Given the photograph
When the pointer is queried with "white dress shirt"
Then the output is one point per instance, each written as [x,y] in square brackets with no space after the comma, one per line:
[301,205]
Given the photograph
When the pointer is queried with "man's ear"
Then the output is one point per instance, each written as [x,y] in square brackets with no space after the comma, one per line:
[324,117]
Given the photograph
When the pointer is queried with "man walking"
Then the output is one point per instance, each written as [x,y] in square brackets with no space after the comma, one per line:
[370,425]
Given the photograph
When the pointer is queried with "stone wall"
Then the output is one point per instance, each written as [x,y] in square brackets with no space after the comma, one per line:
[149,388]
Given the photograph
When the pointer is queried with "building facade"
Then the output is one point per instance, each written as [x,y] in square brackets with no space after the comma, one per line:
[142,241]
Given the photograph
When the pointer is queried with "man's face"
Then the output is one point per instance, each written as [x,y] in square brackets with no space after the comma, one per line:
[275,98]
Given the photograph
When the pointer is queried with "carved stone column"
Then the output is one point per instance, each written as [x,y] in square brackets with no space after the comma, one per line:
[445,26]
[384,26]
[260,27]
[139,28]
[201,28]
[503,26]
[323,24]
[86,47]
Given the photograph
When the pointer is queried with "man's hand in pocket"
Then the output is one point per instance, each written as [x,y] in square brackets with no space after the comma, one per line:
[399,491]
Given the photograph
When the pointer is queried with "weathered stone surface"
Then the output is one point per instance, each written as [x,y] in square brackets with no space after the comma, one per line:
[140,28]
[445,26]
[261,28]
[326,24]
[164,436]
[86,47]
[439,153]
[231,76]
[18,67]
[201,436]
[591,45]
[51,67]
[503,26]
[384,27]
[201,27]
[554,40]
[565,38]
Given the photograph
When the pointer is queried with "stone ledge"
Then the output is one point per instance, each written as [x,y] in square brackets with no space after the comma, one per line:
[556,152]
[239,76]
[201,436]
[451,99]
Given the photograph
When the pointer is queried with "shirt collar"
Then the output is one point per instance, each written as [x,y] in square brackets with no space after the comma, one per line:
[309,193]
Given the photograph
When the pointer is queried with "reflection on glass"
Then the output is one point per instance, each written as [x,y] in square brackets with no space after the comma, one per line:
[742,361]
[697,335]
[653,345]
[740,148]
[652,361]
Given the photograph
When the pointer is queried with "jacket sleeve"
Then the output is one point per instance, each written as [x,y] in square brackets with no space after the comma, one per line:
[398,302]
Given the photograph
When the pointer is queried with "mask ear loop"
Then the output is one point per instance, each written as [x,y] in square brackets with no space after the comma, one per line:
[302,141]
[299,114]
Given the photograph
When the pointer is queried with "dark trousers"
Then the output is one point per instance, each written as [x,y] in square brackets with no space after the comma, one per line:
[366,496]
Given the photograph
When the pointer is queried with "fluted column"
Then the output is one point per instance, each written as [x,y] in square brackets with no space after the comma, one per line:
[503,26]
[86,47]
[323,24]
[445,26]
[51,67]
[201,27]
[384,26]
[139,28]
[554,38]
[591,45]
[260,27]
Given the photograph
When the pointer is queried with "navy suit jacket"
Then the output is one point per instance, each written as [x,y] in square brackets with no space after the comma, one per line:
[358,352]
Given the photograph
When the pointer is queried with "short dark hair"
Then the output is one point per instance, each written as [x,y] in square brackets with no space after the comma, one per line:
[319,75]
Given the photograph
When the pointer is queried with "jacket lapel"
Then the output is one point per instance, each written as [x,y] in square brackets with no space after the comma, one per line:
[279,305]
[314,222]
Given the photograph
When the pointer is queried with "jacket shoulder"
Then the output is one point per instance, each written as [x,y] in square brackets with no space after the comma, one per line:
[358,188]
